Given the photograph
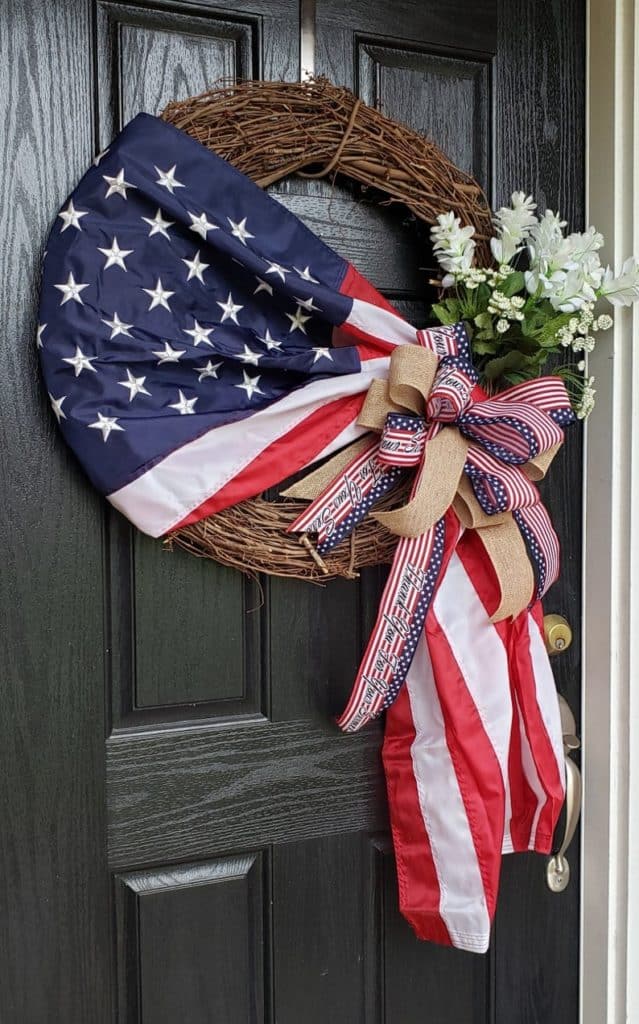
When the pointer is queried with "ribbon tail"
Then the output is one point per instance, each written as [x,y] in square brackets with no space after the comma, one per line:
[346,500]
[542,544]
[412,582]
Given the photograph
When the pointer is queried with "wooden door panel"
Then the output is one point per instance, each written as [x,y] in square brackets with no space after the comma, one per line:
[539,145]
[376,239]
[196,632]
[315,644]
[319,960]
[55,942]
[455,26]
[193,936]
[443,97]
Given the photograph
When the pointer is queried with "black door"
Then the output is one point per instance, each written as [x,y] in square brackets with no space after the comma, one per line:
[185,836]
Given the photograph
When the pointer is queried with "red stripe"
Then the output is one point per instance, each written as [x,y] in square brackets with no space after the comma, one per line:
[419,893]
[523,801]
[284,457]
[523,680]
[357,287]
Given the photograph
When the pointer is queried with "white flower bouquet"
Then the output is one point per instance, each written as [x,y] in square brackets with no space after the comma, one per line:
[539,299]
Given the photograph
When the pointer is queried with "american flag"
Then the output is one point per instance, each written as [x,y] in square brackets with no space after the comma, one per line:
[472,753]
[199,344]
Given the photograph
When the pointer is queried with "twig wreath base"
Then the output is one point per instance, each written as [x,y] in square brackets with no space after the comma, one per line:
[251,536]
[270,130]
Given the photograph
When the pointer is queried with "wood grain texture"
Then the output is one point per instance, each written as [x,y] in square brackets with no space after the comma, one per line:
[383,242]
[453,27]
[196,792]
[539,78]
[453,985]
[195,636]
[315,646]
[54,939]
[318,939]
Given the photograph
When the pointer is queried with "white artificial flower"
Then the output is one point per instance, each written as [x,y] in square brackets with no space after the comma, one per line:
[581,365]
[545,241]
[453,245]
[586,318]
[502,326]
[513,224]
[583,248]
[622,290]
[587,402]
[604,322]
[565,336]
[568,291]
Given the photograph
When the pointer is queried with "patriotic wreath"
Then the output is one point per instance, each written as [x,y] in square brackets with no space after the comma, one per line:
[429,442]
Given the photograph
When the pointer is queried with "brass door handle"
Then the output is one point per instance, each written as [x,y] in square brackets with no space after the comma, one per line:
[558,868]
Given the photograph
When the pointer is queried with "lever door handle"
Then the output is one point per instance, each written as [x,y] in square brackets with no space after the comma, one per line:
[558,868]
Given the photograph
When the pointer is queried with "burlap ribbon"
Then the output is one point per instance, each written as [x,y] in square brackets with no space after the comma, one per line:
[441,478]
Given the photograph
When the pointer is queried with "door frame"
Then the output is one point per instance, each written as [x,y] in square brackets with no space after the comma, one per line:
[610,729]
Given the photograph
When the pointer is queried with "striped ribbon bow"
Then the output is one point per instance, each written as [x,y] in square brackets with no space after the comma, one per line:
[476,456]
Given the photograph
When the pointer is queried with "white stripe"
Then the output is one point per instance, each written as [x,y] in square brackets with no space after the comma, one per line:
[546,690]
[481,656]
[163,495]
[379,323]
[462,898]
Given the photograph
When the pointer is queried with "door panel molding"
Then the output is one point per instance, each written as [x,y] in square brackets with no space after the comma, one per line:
[196,935]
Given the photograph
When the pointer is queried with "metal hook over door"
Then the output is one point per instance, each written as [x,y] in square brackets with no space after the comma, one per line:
[558,868]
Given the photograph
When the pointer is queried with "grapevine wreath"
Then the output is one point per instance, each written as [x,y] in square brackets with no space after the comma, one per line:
[270,130]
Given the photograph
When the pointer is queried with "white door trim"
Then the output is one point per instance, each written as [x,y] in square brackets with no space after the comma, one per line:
[610,730]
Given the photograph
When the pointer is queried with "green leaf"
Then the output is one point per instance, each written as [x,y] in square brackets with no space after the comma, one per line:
[484,321]
[528,345]
[485,346]
[513,360]
[514,283]
[448,311]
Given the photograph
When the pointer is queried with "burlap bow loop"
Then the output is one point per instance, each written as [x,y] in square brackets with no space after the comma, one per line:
[446,433]
[479,455]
